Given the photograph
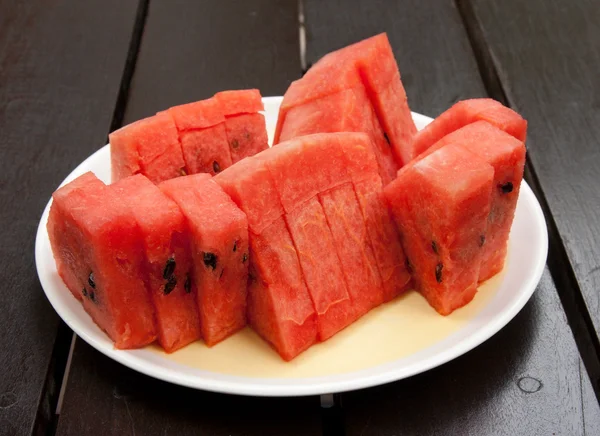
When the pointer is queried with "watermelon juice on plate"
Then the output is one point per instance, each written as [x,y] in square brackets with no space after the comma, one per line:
[394,341]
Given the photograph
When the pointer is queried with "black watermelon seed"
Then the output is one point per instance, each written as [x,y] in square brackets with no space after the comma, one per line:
[434,247]
[506,188]
[244,257]
[234,246]
[84,292]
[187,286]
[91,280]
[438,272]
[386,138]
[247,135]
[235,143]
[169,268]
[408,266]
[481,240]
[216,167]
[93,296]
[210,260]
[170,285]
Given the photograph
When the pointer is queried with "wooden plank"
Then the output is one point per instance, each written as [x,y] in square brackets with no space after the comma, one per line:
[60,71]
[547,57]
[209,46]
[478,393]
[525,380]
[108,397]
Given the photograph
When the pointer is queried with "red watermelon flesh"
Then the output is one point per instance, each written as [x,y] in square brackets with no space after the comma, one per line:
[219,232]
[346,111]
[506,155]
[150,147]
[251,187]
[305,166]
[466,112]
[279,306]
[384,237]
[108,270]
[168,260]
[206,150]
[242,101]
[441,205]
[353,247]
[246,135]
[320,267]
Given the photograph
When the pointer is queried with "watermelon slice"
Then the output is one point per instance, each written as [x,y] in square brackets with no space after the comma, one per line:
[168,260]
[368,70]
[506,155]
[321,267]
[441,205]
[96,242]
[206,150]
[279,306]
[247,135]
[150,147]
[349,232]
[202,135]
[219,232]
[466,112]
[384,237]
[246,129]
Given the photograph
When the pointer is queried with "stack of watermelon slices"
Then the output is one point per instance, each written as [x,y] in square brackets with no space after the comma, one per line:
[454,205]
[354,89]
[206,136]
[299,240]
[323,252]
[152,266]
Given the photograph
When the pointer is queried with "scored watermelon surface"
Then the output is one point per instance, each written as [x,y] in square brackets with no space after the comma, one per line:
[441,205]
[321,267]
[168,260]
[353,247]
[100,250]
[219,234]
[279,306]
[384,237]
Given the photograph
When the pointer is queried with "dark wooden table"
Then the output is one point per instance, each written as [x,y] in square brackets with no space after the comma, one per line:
[71,71]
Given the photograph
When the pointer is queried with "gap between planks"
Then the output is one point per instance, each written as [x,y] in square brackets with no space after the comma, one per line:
[558,261]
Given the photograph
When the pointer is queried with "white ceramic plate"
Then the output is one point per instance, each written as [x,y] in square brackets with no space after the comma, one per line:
[395,341]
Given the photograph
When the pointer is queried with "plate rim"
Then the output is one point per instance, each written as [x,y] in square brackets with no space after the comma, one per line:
[289,387]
